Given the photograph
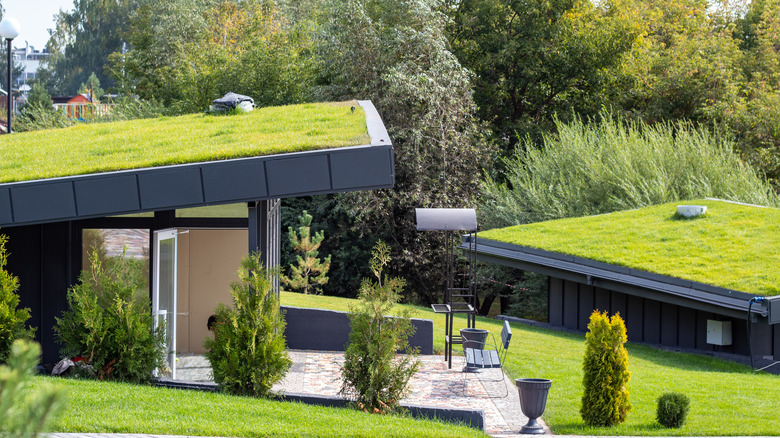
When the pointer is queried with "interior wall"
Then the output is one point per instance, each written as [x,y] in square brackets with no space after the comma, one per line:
[207,263]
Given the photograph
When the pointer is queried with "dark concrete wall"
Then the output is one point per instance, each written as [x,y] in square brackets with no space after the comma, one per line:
[655,322]
[328,330]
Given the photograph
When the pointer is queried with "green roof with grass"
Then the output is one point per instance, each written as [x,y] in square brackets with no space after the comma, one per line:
[733,246]
[132,144]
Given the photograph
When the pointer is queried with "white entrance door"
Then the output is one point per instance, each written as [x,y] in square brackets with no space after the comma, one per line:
[164,291]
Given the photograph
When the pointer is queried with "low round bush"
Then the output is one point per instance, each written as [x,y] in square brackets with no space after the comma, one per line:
[672,409]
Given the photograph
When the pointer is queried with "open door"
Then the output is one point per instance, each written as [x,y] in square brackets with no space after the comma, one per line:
[164,290]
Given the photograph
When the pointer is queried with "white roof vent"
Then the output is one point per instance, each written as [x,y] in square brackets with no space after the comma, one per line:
[691,210]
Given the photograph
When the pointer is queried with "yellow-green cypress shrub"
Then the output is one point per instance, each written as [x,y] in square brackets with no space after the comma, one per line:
[605,400]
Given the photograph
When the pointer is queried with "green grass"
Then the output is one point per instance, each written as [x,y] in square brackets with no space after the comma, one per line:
[123,408]
[101,147]
[732,246]
[727,399]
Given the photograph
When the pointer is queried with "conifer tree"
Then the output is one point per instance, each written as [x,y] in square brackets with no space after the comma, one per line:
[310,273]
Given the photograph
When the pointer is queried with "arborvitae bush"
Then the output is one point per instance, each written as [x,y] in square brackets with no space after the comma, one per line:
[248,353]
[12,320]
[110,324]
[605,372]
[373,372]
[672,409]
[26,407]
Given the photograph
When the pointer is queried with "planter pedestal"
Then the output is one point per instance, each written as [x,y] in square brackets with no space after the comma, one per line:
[533,400]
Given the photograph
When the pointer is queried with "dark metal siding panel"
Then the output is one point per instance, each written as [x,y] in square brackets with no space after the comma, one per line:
[298,175]
[365,167]
[55,253]
[652,322]
[602,300]
[570,304]
[686,335]
[761,334]
[669,324]
[24,248]
[107,195]
[634,317]
[555,303]
[5,207]
[171,188]
[40,202]
[587,304]
[618,304]
[701,330]
[234,181]
[776,341]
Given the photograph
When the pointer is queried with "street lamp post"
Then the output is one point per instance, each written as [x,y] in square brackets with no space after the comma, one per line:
[9,29]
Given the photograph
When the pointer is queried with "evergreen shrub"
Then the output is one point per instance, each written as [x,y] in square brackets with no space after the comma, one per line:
[24,412]
[248,352]
[373,372]
[605,401]
[110,324]
[672,409]
[12,320]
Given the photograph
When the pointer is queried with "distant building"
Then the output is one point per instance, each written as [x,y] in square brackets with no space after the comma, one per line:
[30,61]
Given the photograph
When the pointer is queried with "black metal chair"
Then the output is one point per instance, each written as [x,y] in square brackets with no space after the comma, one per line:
[479,355]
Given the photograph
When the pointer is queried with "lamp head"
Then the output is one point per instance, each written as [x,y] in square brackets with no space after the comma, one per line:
[10,28]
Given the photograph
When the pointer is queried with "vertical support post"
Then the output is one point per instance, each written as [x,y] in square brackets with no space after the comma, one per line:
[265,235]
[9,108]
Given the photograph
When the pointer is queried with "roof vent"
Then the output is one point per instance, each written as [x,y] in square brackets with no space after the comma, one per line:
[691,210]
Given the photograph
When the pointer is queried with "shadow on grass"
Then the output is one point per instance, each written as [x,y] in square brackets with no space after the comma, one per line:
[641,429]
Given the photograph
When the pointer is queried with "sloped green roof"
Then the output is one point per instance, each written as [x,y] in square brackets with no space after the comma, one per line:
[133,144]
[733,246]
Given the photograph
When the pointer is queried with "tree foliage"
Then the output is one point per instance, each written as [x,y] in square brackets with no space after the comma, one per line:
[12,319]
[81,41]
[248,352]
[605,400]
[373,372]
[188,52]
[310,273]
[613,165]
[425,99]
[534,59]
[24,412]
[108,321]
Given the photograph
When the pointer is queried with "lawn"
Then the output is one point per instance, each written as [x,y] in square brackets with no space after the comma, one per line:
[727,399]
[100,147]
[733,246]
[123,408]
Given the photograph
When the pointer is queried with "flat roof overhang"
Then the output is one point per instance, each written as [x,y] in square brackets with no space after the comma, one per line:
[635,282]
[364,167]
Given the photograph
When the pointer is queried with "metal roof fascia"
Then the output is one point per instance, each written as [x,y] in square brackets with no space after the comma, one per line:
[713,298]
[76,197]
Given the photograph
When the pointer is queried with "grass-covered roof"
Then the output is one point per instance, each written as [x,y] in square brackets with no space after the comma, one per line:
[101,147]
[732,246]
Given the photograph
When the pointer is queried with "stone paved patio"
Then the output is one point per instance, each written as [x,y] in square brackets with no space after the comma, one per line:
[318,373]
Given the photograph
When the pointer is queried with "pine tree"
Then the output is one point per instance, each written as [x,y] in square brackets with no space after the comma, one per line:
[310,273]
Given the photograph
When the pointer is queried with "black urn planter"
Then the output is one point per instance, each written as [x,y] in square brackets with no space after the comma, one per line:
[533,400]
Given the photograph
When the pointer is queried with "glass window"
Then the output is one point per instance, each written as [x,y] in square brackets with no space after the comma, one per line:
[227,210]
[111,245]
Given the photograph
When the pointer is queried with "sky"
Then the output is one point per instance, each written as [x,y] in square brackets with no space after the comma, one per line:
[35,17]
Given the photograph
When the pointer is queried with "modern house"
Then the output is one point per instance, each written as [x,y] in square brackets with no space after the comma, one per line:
[203,190]
[678,282]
